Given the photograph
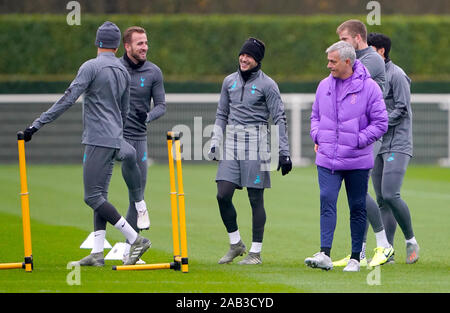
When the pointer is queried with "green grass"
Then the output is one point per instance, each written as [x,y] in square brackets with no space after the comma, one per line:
[60,221]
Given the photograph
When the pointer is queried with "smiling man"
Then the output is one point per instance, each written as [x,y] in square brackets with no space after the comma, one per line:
[146,84]
[248,99]
[348,116]
[354,32]
[105,83]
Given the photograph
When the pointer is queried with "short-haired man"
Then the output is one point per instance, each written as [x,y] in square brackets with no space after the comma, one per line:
[146,84]
[348,116]
[247,101]
[355,33]
[395,152]
[106,85]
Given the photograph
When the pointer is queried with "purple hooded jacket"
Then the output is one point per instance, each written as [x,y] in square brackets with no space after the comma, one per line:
[345,123]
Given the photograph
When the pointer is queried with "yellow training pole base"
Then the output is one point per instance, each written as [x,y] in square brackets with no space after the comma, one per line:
[183,263]
[157,266]
[7,266]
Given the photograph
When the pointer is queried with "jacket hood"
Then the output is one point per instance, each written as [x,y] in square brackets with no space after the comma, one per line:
[360,74]
[360,71]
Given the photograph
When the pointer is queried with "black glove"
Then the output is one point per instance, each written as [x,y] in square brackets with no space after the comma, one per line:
[284,162]
[213,154]
[28,133]
[142,116]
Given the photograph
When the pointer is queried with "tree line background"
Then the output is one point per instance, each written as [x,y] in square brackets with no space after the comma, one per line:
[195,42]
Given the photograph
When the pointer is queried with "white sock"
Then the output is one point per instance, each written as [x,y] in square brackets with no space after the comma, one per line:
[412,240]
[99,241]
[234,237]
[140,206]
[382,239]
[256,247]
[126,230]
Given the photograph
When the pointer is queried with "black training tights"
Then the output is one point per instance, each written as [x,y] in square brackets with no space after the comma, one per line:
[225,191]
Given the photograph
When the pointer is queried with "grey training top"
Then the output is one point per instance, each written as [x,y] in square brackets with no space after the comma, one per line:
[106,85]
[375,65]
[251,103]
[146,83]
[398,137]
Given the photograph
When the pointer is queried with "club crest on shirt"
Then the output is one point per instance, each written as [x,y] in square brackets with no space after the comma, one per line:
[391,158]
[353,99]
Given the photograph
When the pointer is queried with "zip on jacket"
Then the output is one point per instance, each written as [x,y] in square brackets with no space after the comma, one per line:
[336,111]
[242,91]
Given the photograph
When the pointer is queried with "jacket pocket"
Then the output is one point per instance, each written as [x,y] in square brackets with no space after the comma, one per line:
[318,137]
[362,140]
[363,122]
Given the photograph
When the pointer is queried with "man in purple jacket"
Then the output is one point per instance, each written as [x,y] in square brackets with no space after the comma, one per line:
[348,116]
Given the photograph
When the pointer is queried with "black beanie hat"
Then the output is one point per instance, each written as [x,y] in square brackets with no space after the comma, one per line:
[108,36]
[255,48]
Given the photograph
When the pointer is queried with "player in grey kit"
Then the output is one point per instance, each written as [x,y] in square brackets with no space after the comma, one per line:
[355,33]
[395,152]
[146,83]
[105,83]
[248,99]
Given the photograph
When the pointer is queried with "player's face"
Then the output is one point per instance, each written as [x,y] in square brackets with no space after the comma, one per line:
[138,47]
[345,36]
[246,62]
[338,68]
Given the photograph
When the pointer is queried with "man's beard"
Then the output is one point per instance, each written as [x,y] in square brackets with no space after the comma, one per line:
[136,56]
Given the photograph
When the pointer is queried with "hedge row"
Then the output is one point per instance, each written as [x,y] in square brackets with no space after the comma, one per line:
[205,48]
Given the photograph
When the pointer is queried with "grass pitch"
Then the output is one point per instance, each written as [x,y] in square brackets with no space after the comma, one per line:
[60,221]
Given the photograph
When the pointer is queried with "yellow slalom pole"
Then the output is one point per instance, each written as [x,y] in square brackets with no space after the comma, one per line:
[7,266]
[183,239]
[173,197]
[160,266]
[25,204]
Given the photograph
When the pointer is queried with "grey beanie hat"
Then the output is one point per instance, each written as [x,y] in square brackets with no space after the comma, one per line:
[108,36]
